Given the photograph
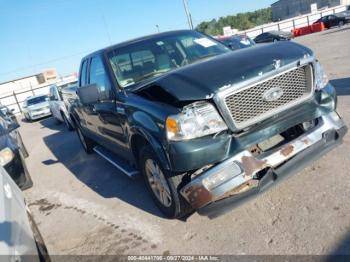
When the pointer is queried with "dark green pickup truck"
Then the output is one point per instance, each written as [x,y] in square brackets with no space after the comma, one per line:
[205,126]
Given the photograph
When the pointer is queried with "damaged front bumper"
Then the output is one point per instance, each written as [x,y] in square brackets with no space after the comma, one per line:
[275,165]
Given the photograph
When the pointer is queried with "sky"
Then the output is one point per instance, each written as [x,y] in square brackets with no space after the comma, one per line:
[41,34]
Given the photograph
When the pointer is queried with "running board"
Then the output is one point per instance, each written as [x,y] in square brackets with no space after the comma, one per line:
[115,161]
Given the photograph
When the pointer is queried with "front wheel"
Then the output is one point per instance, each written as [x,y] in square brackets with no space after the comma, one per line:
[163,186]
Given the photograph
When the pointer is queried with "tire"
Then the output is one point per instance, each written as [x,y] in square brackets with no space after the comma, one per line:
[57,121]
[178,206]
[67,123]
[87,143]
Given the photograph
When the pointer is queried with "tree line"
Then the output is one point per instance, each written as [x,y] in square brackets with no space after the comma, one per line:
[241,21]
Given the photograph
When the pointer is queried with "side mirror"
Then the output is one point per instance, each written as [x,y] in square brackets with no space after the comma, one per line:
[89,94]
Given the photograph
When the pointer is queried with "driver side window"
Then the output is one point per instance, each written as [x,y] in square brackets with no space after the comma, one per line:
[99,77]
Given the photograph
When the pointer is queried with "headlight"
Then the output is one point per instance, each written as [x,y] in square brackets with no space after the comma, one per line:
[196,120]
[6,156]
[321,79]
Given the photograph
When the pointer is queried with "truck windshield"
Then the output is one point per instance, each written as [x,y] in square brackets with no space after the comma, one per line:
[37,100]
[153,57]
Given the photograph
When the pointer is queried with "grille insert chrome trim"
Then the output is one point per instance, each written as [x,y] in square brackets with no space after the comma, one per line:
[247,105]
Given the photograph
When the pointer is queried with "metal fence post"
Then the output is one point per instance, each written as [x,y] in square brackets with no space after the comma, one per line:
[31,88]
[19,107]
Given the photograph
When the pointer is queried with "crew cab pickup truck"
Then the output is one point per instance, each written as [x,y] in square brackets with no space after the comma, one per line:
[206,127]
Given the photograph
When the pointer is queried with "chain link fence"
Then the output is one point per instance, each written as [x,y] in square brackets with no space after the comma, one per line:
[15,100]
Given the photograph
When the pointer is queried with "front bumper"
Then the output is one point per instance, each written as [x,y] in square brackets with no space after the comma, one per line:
[280,163]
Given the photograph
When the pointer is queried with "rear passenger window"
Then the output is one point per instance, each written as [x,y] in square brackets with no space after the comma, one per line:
[99,77]
[83,74]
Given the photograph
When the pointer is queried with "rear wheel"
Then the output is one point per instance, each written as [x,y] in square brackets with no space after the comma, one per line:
[66,122]
[87,143]
[163,186]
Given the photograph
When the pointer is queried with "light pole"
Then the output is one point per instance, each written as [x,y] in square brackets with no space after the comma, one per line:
[158,28]
[188,14]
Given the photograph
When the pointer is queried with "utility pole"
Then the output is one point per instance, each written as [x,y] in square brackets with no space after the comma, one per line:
[188,14]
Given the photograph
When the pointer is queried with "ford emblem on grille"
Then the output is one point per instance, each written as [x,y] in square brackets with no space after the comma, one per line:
[272,94]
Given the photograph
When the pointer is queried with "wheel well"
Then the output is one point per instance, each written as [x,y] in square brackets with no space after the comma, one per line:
[137,142]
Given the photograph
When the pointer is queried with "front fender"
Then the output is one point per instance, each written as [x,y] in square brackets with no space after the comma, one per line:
[152,131]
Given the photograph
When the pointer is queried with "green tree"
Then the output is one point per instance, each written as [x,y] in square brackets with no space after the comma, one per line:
[241,21]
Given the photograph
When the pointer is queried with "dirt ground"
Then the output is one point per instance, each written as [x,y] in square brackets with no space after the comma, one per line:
[83,205]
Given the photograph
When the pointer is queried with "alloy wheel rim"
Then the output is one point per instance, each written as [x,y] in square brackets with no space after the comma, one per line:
[158,182]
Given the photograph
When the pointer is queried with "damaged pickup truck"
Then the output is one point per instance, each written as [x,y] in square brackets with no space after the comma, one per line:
[206,127]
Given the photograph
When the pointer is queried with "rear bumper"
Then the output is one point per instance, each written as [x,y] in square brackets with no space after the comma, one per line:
[278,165]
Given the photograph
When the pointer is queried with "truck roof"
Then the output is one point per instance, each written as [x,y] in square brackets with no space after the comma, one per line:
[135,40]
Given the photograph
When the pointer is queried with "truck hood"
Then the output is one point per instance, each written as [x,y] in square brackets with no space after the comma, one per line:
[203,79]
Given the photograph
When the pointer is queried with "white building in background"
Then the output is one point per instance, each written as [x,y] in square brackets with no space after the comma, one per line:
[24,83]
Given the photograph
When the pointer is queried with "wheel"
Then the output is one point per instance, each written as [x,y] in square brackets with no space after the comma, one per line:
[163,186]
[57,121]
[341,23]
[26,116]
[67,123]
[87,143]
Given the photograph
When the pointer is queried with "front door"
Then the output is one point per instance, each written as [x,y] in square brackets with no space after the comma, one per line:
[106,120]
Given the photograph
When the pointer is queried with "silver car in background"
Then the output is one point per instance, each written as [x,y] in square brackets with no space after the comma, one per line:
[20,239]
[36,107]
[58,105]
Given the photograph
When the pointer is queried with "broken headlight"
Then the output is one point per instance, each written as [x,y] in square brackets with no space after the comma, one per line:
[321,79]
[195,120]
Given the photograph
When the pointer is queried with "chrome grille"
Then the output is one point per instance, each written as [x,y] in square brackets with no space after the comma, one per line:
[247,105]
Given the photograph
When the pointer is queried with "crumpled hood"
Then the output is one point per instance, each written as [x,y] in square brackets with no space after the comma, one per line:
[203,79]
[39,105]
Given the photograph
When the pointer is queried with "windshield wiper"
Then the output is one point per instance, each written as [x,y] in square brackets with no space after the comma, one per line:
[152,74]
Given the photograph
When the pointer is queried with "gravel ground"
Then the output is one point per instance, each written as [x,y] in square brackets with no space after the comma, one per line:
[85,206]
